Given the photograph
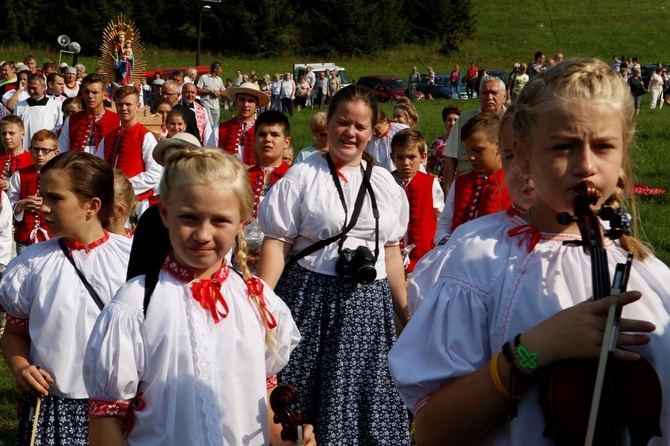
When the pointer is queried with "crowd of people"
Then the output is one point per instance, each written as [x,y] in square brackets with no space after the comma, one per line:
[166,282]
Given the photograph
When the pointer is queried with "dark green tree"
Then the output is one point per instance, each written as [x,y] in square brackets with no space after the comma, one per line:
[447,22]
[351,26]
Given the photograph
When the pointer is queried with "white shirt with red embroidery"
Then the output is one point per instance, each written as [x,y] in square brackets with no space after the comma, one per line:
[41,289]
[187,378]
[6,237]
[499,276]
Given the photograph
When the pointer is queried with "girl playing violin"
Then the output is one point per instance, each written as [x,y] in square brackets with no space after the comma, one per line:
[514,280]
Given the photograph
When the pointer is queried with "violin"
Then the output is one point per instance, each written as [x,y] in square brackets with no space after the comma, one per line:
[628,408]
[284,403]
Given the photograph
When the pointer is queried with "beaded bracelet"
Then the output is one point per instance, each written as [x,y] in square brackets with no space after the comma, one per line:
[527,360]
[524,361]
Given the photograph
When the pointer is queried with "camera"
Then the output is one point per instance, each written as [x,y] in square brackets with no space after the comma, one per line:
[358,264]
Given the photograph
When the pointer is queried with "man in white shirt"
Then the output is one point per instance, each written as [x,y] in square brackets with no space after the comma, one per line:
[210,88]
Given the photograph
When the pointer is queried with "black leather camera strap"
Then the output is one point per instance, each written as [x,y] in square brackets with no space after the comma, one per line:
[354,216]
[87,285]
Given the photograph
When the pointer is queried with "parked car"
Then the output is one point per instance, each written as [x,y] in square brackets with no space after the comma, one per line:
[301,69]
[442,87]
[387,88]
[166,72]
[500,74]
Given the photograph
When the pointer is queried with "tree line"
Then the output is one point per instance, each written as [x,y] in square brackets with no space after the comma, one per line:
[249,27]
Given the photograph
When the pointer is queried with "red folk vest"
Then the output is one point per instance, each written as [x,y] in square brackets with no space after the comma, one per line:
[10,162]
[258,185]
[82,124]
[32,228]
[123,150]
[422,223]
[478,195]
[230,135]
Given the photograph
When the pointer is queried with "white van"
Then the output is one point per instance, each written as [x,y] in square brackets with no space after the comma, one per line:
[301,69]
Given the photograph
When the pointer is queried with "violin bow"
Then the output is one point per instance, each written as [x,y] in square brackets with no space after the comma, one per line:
[609,342]
[35,415]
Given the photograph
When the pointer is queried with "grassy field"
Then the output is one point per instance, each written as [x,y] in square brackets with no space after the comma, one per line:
[508,31]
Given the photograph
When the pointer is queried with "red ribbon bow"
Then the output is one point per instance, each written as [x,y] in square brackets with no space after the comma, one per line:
[208,294]
[525,231]
[255,287]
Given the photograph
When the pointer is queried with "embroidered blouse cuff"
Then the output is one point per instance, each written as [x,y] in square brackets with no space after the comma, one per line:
[422,402]
[17,321]
[102,408]
[272,382]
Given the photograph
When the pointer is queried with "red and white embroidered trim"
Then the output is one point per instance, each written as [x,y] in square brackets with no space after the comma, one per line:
[17,321]
[102,408]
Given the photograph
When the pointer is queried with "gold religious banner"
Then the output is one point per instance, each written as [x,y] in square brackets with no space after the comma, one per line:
[122,53]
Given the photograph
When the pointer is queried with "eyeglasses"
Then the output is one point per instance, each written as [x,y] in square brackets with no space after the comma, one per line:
[165,93]
[42,150]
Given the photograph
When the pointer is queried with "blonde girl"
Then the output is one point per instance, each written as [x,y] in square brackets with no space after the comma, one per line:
[54,292]
[405,113]
[189,366]
[515,280]
[125,206]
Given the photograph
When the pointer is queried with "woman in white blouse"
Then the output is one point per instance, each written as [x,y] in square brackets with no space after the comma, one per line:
[343,308]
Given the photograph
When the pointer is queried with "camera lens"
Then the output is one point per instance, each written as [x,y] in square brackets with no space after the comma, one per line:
[366,275]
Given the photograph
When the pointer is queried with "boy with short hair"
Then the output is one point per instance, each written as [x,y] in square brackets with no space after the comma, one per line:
[39,111]
[272,136]
[426,200]
[24,192]
[481,191]
[83,131]
[14,158]
[130,148]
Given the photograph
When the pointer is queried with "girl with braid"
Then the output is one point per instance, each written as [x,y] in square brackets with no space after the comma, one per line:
[513,299]
[189,366]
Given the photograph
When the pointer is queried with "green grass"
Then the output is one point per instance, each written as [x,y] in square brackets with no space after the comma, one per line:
[9,398]
[508,31]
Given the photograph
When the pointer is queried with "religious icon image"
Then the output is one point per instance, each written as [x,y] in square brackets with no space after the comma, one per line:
[122,52]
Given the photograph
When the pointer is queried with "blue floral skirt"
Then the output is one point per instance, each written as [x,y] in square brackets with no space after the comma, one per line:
[340,366]
[62,421]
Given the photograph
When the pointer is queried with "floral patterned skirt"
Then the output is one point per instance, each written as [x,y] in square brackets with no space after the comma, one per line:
[62,421]
[340,366]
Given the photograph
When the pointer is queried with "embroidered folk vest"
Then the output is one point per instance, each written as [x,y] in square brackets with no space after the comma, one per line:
[422,224]
[32,228]
[82,125]
[478,195]
[230,137]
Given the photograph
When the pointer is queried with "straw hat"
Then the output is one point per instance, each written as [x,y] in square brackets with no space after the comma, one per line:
[180,141]
[248,88]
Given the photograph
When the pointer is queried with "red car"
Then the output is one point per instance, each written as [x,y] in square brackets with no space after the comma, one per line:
[387,88]
[166,72]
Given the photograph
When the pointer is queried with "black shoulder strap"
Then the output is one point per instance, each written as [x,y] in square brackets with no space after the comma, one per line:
[150,281]
[87,285]
[354,216]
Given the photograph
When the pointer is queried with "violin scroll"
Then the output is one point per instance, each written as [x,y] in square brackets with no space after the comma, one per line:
[284,403]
